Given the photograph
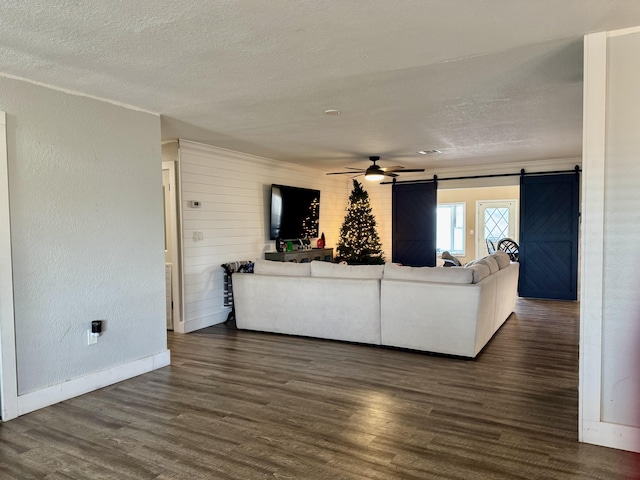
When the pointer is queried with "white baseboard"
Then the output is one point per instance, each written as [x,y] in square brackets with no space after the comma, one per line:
[207,321]
[38,399]
[611,435]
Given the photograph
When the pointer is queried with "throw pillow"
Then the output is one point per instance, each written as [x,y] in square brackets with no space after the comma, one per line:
[246,268]
[447,256]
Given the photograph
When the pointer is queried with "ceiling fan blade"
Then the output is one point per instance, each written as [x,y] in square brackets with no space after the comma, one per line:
[354,168]
[412,170]
[392,169]
[389,174]
[347,173]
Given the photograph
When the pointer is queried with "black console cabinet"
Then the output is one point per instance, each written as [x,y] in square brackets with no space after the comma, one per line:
[301,256]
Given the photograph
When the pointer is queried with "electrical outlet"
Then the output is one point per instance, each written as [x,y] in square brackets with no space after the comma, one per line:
[91,338]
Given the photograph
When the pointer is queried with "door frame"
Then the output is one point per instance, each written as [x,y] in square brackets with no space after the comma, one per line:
[176,270]
[8,364]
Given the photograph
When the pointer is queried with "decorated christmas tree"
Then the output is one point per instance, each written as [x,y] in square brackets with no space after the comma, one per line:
[359,242]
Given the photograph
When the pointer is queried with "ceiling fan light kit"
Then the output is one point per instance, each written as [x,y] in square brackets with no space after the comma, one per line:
[373,176]
[376,173]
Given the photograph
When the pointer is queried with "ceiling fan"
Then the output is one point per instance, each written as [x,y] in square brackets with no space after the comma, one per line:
[375,172]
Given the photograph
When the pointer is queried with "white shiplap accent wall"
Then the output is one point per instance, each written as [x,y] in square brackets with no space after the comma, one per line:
[380,199]
[234,190]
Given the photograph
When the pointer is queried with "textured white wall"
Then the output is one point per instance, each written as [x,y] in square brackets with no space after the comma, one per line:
[234,189]
[87,233]
[621,302]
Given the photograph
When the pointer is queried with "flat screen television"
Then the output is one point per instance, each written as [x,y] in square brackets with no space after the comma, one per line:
[295,212]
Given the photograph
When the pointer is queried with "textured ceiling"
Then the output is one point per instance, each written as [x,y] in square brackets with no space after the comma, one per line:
[483,81]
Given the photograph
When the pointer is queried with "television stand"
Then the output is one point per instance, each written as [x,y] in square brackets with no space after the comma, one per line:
[301,256]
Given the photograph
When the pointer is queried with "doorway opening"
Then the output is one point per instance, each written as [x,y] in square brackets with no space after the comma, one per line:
[171,248]
[476,203]
[8,366]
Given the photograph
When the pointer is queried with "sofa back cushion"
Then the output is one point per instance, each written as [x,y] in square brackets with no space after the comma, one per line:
[502,258]
[287,269]
[480,272]
[428,274]
[337,270]
[489,262]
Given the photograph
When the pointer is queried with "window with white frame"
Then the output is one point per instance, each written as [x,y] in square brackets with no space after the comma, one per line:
[450,228]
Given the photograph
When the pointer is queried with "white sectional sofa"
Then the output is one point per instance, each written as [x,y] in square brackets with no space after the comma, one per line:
[452,311]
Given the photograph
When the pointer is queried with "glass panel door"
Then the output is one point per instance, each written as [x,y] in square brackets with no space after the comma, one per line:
[496,220]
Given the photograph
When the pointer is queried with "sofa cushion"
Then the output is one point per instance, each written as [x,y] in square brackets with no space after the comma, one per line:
[489,262]
[287,269]
[337,270]
[502,258]
[480,272]
[428,274]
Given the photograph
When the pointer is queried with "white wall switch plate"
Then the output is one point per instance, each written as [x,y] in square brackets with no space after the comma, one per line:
[91,338]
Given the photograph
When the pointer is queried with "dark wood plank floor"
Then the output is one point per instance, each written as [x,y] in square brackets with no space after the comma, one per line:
[244,405]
